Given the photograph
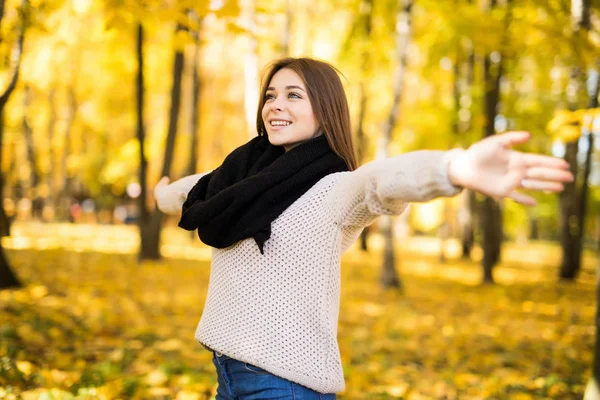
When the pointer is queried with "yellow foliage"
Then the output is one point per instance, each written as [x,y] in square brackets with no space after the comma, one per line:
[54,394]
[25,367]
[566,126]
[157,378]
[568,133]
[181,40]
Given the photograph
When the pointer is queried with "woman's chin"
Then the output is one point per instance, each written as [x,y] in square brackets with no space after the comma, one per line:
[274,140]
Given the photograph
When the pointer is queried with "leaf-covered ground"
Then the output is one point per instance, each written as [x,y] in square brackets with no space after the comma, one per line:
[96,324]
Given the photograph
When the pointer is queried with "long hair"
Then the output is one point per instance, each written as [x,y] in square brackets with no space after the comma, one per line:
[328,100]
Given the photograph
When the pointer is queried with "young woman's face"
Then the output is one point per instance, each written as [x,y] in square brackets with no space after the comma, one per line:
[287,113]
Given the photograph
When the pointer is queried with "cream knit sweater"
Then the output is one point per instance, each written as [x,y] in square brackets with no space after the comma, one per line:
[279,311]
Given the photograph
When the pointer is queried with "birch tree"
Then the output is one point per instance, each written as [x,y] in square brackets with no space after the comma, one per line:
[389,276]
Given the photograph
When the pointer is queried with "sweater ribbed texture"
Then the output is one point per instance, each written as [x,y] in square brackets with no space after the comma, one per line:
[279,311]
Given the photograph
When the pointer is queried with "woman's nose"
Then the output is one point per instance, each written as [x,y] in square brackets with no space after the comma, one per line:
[276,105]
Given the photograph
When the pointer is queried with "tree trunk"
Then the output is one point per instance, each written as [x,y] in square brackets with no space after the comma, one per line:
[592,391]
[150,249]
[570,202]
[65,192]
[464,88]
[1,14]
[4,220]
[569,222]
[50,130]
[490,217]
[534,229]
[178,63]
[366,19]
[491,222]
[444,229]
[149,240]
[28,133]
[587,169]
[490,225]
[389,277]
[466,220]
[403,32]
[195,113]
[7,278]
[581,18]
[580,14]
[573,203]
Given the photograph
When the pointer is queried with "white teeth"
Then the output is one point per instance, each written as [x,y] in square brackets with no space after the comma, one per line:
[280,123]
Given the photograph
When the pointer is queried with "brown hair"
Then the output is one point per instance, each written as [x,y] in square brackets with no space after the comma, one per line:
[328,100]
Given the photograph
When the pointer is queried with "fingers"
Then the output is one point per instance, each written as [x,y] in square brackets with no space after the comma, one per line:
[538,160]
[548,174]
[513,138]
[163,181]
[532,184]
[522,199]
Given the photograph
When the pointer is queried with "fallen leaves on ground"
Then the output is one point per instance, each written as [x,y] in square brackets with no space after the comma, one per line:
[98,325]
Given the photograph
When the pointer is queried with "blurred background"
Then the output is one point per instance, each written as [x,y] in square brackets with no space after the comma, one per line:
[464,298]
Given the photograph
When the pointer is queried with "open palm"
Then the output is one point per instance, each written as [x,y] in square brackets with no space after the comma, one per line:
[491,167]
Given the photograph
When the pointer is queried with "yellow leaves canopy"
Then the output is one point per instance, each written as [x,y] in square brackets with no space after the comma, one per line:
[566,126]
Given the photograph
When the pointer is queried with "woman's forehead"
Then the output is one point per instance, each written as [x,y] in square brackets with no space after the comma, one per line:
[285,77]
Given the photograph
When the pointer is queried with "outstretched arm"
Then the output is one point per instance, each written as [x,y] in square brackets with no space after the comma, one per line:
[170,197]
[387,186]
[491,167]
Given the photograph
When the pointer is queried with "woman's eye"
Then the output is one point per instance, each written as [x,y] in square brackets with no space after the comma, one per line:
[294,95]
[269,96]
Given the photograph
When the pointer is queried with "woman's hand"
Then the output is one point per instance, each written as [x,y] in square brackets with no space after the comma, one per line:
[161,186]
[162,193]
[492,168]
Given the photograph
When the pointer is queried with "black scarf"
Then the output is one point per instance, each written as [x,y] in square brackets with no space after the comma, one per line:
[252,187]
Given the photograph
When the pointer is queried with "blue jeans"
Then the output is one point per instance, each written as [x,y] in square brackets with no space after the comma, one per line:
[242,381]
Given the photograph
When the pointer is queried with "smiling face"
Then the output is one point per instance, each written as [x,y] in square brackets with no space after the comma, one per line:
[287,112]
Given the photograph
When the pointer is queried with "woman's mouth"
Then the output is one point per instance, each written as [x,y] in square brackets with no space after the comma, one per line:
[279,122]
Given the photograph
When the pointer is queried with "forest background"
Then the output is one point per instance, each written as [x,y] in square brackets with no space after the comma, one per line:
[100,99]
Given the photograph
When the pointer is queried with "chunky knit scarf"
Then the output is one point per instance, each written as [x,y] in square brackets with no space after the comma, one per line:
[252,187]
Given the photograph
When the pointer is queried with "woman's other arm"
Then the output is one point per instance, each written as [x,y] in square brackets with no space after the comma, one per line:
[170,197]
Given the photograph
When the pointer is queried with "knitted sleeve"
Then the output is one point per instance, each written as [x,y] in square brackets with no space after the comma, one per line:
[386,186]
[171,197]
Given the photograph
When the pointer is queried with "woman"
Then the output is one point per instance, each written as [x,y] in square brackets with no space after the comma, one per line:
[282,209]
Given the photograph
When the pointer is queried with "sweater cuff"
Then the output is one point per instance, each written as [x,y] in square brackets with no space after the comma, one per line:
[444,178]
